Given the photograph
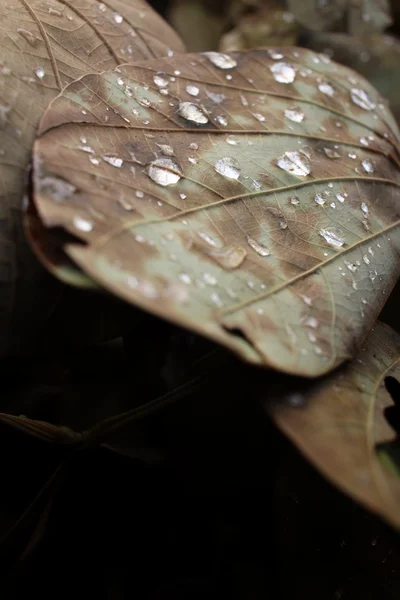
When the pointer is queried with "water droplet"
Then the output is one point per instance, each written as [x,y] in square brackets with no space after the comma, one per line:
[182,196]
[283,224]
[194,146]
[39,72]
[209,279]
[228,167]
[274,54]
[27,35]
[364,141]
[217,98]
[332,205]
[294,114]
[222,120]
[54,11]
[296,163]
[352,155]
[166,149]
[257,247]
[83,224]
[366,259]
[367,166]
[319,199]
[311,336]
[351,266]
[332,236]
[164,171]
[185,278]
[228,258]
[259,117]
[102,7]
[113,160]
[295,200]
[326,88]
[207,238]
[216,299]
[340,197]
[331,153]
[222,61]
[192,90]
[118,18]
[231,140]
[95,161]
[160,80]
[192,112]
[361,98]
[364,208]
[283,72]
[87,149]
[311,322]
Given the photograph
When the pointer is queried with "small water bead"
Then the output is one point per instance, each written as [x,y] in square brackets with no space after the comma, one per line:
[54,11]
[193,160]
[366,259]
[160,80]
[163,171]
[114,161]
[283,72]
[182,196]
[294,114]
[166,149]
[228,258]
[364,141]
[139,194]
[222,120]
[102,7]
[216,298]
[82,224]
[257,247]
[332,235]
[244,100]
[192,112]
[256,184]
[27,35]
[228,167]
[311,322]
[319,199]
[370,251]
[351,266]
[295,200]
[185,278]
[217,98]
[39,72]
[192,90]
[326,88]
[352,155]
[331,153]
[208,239]
[367,166]
[86,148]
[209,279]
[259,117]
[275,55]
[306,299]
[220,60]
[194,146]
[332,205]
[364,208]
[95,161]
[340,197]
[311,336]
[296,163]
[361,98]
[283,224]
[118,18]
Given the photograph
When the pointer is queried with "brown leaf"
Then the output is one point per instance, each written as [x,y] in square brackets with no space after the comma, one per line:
[41,430]
[257,202]
[340,423]
[45,46]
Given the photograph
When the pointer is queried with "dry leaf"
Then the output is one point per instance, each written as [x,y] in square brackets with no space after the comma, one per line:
[253,198]
[45,46]
[339,423]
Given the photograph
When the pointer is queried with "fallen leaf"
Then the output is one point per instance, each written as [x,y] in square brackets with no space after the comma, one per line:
[255,201]
[340,424]
[45,46]
[47,432]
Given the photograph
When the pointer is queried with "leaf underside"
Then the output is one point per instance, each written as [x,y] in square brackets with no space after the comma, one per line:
[44,46]
[339,424]
[288,268]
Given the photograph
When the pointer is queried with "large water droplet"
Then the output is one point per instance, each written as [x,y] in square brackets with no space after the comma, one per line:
[283,72]
[192,112]
[367,166]
[361,98]
[332,235]
[257,247]
[164,171]
[228,167]
[296,163]
[294,114]
[326,88]
[222,61]
[229,257]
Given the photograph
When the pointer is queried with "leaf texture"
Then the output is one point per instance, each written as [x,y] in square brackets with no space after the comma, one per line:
[260,212]
[339,424]
[44,47]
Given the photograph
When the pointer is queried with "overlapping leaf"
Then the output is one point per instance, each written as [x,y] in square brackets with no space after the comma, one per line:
[253,198]
[45,46]
[339,423]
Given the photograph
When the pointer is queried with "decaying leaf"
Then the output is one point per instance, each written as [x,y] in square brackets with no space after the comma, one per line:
[251,197]
[340,423]
[45,46]
[376,56]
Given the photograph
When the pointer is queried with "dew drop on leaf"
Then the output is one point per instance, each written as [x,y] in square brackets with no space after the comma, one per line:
[364,208]
[332,235]
[192,90]
[283,72]
[160,80]
[222,120]
[39,72]
[296,163]
[257,247]
[118,18]
[192,112]
[27,35]
[294,114]
[113,160]
[326,88]
[163,171]
[361,98]
[217,98]
[228,258]
[331,153]
[222,61]
[319,199]
[228,167]
[367,166]
[83,224]
[294,200]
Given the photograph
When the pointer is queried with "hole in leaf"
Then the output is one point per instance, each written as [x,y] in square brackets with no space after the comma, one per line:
[392,413]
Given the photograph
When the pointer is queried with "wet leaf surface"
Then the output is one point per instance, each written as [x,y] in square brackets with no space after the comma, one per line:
[348,424]
[255,202]
[44,47]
